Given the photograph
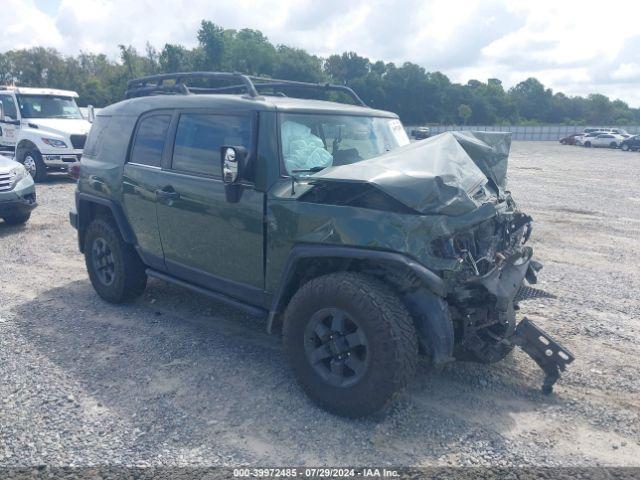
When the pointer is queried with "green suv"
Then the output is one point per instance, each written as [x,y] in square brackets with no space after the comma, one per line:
[365,250]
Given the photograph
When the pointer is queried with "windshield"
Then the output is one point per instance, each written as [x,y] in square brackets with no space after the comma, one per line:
[316,141]
[48,106]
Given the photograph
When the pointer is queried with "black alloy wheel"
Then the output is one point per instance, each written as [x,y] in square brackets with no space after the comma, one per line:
[336,347]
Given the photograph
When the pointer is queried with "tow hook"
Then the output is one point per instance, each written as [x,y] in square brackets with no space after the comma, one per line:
[550,356]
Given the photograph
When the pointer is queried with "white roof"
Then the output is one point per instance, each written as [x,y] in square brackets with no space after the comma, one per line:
[39,91]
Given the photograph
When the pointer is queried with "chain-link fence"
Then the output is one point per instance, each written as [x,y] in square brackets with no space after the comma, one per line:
[524,132]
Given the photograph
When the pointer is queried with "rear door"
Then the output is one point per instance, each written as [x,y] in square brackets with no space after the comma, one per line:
[207,239]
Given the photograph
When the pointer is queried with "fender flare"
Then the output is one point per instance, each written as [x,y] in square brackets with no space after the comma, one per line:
[432,282]
[83,202]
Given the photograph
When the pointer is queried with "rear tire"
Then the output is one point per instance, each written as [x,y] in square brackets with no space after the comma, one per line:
[32,161]
[17,219]
[350,377]
[115,270]
[587,144]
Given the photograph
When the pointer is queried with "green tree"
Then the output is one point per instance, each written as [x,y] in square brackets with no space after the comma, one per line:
[417,95]
[296,64]
[464,112]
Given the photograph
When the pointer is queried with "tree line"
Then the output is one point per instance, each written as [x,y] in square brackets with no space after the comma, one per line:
[418,96]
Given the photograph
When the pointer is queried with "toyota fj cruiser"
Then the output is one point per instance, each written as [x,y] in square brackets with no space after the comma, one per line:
[366,250]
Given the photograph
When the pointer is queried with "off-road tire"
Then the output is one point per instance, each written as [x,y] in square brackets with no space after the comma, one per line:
[17,219]
[389,330]
[129,278]
[40,174]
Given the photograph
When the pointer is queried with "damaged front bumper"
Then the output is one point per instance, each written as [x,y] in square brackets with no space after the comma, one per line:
[503,283]
[492,266]
[550,355]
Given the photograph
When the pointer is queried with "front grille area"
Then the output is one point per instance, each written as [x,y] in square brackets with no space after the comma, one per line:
[78,141]
[5,182]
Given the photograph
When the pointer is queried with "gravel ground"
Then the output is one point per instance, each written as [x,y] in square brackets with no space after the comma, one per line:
[176,379]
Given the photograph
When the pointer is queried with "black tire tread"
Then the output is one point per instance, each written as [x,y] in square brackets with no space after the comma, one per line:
[41,168]
[133,280]
[396,331]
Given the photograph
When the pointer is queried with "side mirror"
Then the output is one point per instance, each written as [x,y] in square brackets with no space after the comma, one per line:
[233,160]
[91,113]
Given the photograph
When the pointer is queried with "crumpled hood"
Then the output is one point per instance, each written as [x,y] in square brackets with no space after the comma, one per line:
[440,175]
[62,126]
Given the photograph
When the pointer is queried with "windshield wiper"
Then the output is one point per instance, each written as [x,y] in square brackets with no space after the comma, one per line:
[295,179]
[309,170]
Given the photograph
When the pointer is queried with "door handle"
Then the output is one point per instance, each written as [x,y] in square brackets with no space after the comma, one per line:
[167,194]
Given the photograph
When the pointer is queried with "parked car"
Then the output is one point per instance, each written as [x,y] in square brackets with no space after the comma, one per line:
[585,137]
[358,249]
[17,192]
[620,131]
[420,133]
[630,144]
[603,140]
[43,127]
[569,139]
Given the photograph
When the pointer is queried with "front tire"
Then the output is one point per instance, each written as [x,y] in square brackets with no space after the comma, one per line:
[32,161]
[624,147]
[587,144]
[115,270]
[613,145]
[17,219]
[351,343]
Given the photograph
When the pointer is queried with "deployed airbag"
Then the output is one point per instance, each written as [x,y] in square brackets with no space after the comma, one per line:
[301,149]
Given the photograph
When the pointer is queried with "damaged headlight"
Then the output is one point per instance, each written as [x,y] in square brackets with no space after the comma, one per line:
[16,174]
[487,244]
[454,247]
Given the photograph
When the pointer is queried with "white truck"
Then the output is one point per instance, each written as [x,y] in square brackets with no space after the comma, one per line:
[43,127]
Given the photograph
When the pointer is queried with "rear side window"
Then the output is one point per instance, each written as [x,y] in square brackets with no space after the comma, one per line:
[149,141]
[96,135]
[200,136]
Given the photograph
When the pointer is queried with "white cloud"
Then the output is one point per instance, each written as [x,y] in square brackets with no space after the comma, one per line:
[569,45]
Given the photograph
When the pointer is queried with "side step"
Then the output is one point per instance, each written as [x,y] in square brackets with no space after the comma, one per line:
[250,309]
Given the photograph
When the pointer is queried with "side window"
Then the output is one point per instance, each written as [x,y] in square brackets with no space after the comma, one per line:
[149,141]
[9,106]
[96,134]
[200,136]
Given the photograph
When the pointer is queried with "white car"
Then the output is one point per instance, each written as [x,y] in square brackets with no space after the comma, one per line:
[43,127]
[610,140]
[588,136]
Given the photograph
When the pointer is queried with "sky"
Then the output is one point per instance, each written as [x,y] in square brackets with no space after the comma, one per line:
[577,47]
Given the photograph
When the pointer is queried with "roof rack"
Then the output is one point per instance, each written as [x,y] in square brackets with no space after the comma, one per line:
[155,85]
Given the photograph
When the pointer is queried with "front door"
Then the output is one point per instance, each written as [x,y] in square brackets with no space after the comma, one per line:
[141,177]
[206,239]
[9,124]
